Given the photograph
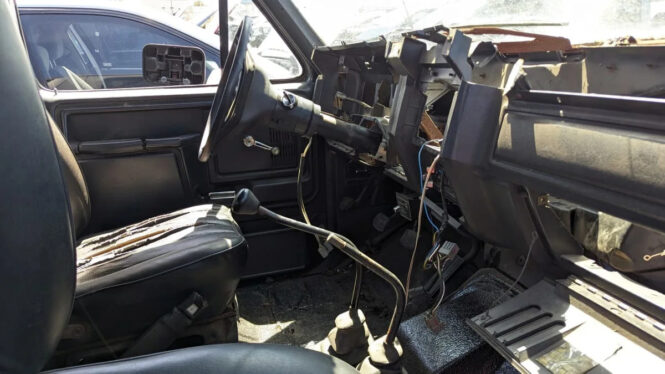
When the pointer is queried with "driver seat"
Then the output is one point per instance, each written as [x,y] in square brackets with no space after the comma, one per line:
[128,278]
[41,210]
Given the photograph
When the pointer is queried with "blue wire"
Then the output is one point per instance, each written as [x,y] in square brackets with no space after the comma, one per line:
[422,186]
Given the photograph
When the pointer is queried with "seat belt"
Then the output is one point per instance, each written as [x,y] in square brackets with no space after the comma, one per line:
[169,327]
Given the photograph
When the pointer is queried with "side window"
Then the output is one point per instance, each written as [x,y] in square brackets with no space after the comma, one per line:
[78,51]
[266,44]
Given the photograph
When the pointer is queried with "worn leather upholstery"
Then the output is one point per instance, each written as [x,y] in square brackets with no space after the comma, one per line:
[37,265]
[128,255]
[129,277]
[79,199]
[224,359]
[145,269]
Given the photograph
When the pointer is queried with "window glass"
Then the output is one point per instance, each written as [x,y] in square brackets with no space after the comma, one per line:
[79,52]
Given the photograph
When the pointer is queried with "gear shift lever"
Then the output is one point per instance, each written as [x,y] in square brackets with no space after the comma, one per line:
[384,352]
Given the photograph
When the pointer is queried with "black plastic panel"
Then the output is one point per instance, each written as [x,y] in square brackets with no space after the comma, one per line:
[109,146]
[488,205]
[280,189]
[138,154]
[226,163]
[166,64]
[465,352]
[603,152]
[539,334]
[590,152]
[105,124]
[126,189]
[274,252]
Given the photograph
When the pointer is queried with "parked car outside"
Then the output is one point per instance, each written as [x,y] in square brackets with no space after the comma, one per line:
[76,45]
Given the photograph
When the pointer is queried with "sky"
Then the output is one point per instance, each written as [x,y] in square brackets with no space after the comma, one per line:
[336,20]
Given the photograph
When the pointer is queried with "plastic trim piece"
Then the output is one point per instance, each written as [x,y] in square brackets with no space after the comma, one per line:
[600,151]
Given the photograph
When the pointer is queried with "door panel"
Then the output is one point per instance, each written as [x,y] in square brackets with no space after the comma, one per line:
[119,120]
[128,188]
[138,153]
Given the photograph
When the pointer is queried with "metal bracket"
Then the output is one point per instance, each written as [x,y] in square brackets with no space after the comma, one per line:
[249,142]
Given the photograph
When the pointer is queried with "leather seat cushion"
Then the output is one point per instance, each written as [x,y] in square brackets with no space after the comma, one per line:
[129,277]
[224,358]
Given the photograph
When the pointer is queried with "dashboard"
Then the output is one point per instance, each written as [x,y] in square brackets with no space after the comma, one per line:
[405,90]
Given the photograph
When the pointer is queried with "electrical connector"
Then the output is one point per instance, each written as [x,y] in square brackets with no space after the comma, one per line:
[449,249]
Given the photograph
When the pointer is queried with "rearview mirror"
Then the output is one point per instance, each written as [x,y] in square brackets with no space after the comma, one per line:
[173,65]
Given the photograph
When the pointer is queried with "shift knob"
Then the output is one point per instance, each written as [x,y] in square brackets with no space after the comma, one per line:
[245,203]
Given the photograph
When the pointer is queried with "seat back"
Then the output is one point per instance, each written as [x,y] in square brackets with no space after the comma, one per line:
[77,191]
[37,270]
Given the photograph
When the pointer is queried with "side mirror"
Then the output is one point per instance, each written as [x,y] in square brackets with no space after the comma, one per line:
[173,65]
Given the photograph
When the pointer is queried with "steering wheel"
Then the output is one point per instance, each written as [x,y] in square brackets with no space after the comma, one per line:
[223,113]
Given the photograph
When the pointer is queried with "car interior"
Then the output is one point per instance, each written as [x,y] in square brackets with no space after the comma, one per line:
[58,62]
[442,202]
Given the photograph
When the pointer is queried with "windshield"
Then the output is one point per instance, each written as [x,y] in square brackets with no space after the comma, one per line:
[581,21]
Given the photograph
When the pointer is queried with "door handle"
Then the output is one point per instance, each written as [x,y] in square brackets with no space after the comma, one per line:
[249,142]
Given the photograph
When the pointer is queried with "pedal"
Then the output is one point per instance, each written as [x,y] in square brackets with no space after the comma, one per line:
[385,223]
[380,222]
[408,239]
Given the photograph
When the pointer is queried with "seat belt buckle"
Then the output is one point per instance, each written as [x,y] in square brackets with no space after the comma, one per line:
[222,197]
[192,305]
[169,327]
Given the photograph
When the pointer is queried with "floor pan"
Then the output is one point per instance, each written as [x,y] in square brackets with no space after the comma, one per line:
[300,311]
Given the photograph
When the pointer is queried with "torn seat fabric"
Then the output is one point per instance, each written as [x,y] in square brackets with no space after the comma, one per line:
[129,277]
